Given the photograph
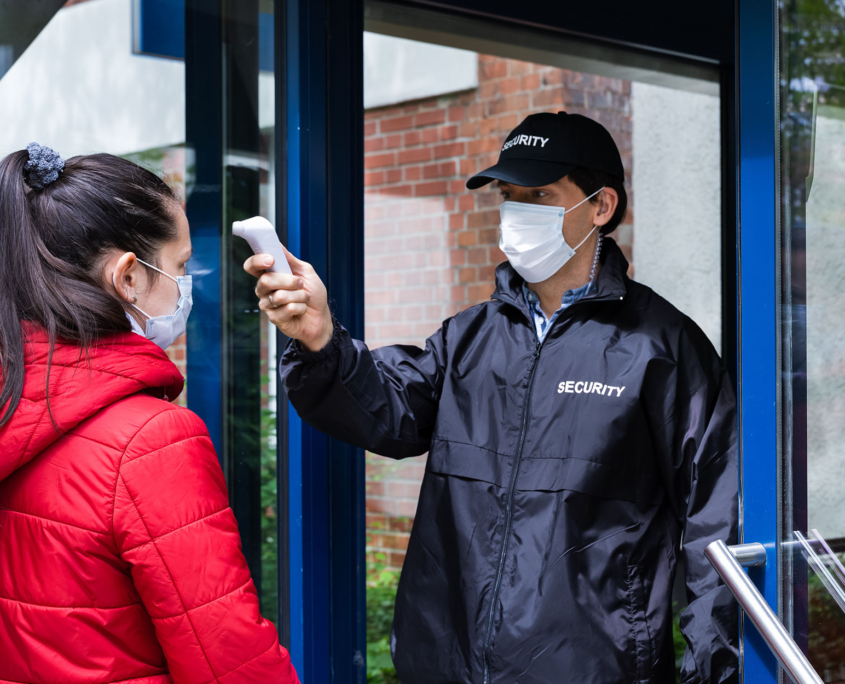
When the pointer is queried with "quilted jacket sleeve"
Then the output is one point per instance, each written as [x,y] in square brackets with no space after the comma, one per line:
[173,525]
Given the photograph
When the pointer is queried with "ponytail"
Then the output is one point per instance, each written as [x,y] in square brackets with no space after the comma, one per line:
[54,239]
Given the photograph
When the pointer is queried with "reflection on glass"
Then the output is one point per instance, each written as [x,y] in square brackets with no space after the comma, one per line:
[812,203]
[436,115]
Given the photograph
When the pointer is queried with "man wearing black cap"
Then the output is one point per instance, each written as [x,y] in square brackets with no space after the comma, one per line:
[577,425]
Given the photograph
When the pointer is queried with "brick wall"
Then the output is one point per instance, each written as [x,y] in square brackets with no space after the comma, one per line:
[431,246]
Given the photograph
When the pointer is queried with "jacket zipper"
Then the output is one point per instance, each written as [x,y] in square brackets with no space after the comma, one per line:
[485,653]
[509,512]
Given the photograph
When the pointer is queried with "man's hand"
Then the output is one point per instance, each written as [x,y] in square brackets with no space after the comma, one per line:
[296,304]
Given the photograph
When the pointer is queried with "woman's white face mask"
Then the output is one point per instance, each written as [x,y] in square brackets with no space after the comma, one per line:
[532,238]
[163,330]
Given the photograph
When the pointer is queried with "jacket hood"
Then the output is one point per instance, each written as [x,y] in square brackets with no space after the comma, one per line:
[610,283]
[116,366]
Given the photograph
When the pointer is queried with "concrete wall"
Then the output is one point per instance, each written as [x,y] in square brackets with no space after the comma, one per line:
[677,186]
[399,70]
[79,88]
[825,268]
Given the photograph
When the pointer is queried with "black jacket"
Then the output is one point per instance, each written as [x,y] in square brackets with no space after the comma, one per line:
[560,479]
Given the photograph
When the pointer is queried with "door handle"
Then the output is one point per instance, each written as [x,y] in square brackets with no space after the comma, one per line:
[728,562]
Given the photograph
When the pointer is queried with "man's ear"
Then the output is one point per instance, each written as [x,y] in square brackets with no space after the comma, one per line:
[606,207]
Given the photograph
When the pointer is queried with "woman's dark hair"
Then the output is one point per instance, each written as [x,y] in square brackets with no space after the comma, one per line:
[589,181]
[53,241]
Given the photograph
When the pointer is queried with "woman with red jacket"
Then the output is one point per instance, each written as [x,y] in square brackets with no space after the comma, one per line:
[120,559]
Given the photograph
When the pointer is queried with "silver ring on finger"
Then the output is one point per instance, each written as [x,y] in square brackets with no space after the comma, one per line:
[270,298]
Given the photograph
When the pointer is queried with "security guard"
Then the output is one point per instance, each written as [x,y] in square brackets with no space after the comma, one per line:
[577,427]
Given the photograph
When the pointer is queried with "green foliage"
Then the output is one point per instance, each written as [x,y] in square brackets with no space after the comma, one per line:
[678,641]
[827,627]
[381,597]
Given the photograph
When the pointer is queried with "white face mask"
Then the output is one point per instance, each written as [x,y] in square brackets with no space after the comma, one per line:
[163,330]
[532,238]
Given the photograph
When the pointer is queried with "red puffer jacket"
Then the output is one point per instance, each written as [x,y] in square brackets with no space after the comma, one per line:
[120,558]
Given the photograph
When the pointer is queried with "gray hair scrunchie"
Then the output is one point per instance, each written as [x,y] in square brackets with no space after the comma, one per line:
[43,167]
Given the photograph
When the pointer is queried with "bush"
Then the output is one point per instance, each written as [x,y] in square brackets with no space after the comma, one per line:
[381,597]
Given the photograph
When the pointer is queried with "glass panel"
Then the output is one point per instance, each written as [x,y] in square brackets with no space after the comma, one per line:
[435,115]
[249,443]
[79,79]
[812,164]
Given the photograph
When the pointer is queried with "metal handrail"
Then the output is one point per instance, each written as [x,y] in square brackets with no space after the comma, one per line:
[790,657]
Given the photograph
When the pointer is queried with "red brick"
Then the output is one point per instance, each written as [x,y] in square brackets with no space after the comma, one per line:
[397,124]
[449,132]
[468,167]
[493,69]
[479,293]
[549,97]
[430,136]
[482,145]
[430,118]
[517,67]
[373,144]
[457,113]
[457,257]
[455,149]
[466,202]
[508,86]
[400,524]
[393,141]
[395,558]
[529,82]
[467,275]
[433,188]
[468,130]
[413,173]
[374,178]
[418,154]
[412,138]
[400,190]
[370,128]
[394,175]
[508,103]
[457,186]
[477,255]
[456,221]
[457,293]
[467,238]
[375,161]
[375,488]
[395,541]
[480,219]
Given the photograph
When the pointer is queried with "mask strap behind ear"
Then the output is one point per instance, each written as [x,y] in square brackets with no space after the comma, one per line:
[587,198]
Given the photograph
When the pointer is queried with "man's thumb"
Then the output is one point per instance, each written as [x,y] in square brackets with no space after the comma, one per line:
[298,266]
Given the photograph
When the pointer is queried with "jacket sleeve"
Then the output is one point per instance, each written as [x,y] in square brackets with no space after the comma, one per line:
[697,450]
[384,400]
[173,525]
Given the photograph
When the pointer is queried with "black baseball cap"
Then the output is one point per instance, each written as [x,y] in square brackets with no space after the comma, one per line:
[546,147]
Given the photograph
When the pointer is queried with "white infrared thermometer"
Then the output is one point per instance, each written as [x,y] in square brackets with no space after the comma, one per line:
[261,236]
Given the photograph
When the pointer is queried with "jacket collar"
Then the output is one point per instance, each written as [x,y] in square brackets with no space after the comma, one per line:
[610,283]
[81,384]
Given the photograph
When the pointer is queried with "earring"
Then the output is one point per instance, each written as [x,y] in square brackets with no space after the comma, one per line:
[134,299]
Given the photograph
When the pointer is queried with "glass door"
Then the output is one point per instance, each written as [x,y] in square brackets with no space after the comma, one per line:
[792,341]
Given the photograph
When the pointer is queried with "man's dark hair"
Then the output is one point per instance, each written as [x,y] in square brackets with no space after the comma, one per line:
[589,181]
[53,241]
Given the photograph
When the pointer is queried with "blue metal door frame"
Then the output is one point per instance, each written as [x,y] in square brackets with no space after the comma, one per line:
[759,369]
[320,99]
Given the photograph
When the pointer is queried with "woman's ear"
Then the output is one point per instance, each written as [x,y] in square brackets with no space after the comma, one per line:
[606,206]
[125,277]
